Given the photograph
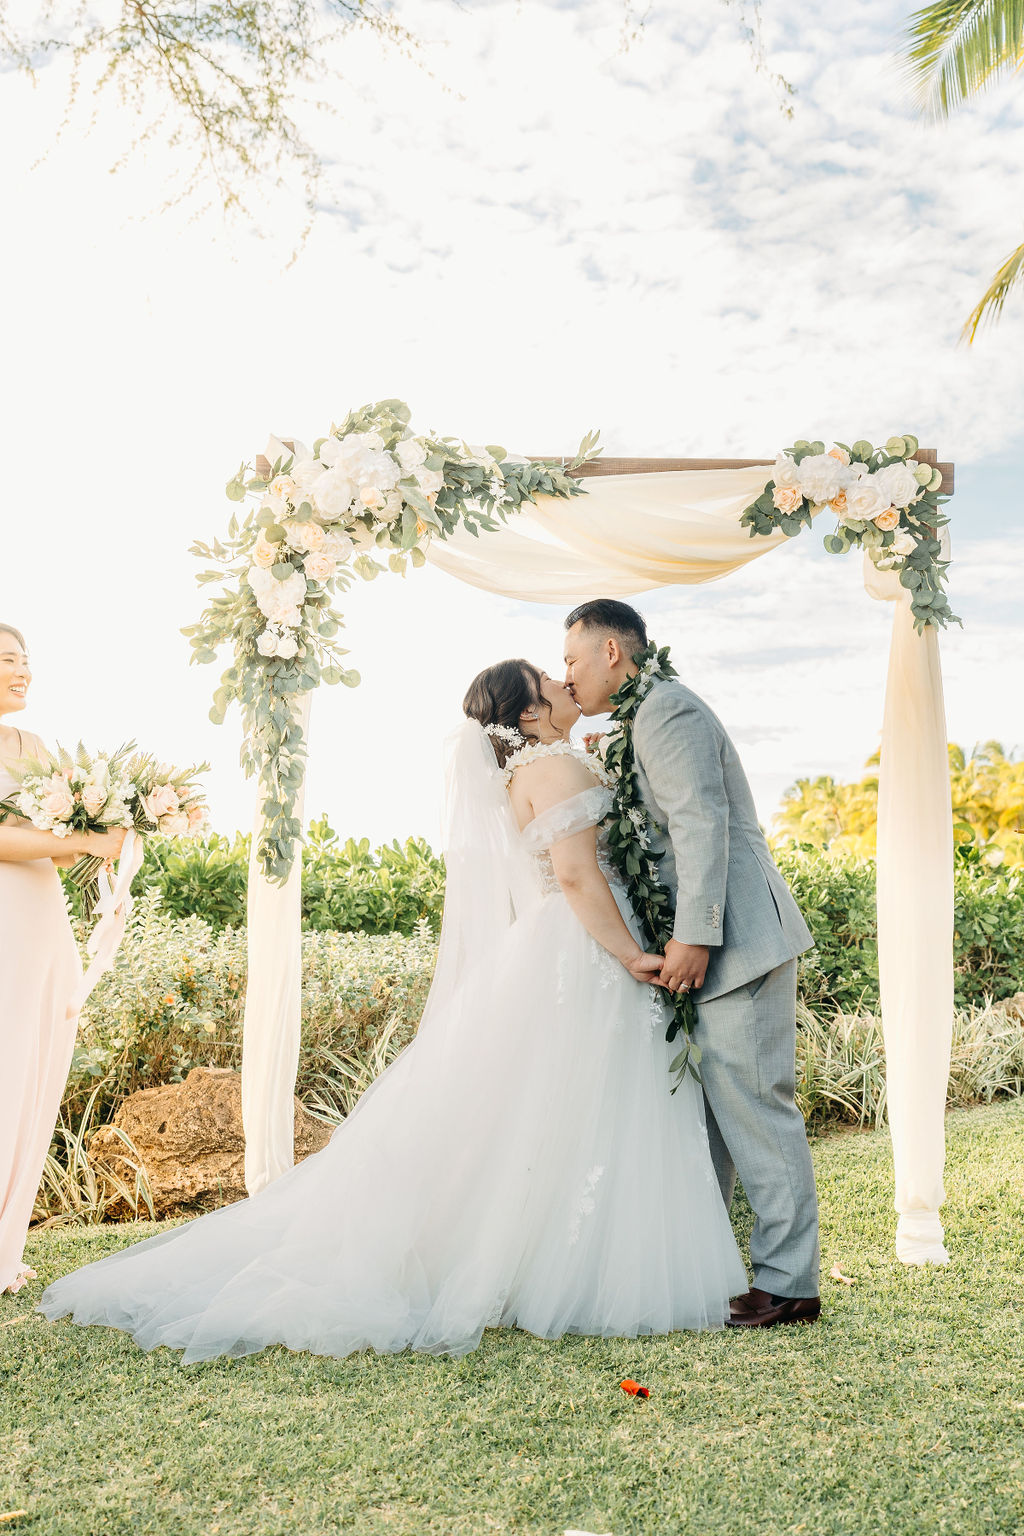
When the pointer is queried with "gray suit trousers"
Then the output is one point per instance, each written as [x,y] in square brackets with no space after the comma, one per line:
[748,1067]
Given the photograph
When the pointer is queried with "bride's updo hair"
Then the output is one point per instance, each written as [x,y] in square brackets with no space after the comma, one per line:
[498,696]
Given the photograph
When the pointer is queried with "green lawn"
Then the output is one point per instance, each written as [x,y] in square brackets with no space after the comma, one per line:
[903,1411]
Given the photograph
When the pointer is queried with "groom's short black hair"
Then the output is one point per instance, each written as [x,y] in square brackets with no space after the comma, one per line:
[616,618]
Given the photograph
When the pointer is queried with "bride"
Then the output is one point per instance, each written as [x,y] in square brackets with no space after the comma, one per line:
[522,1162]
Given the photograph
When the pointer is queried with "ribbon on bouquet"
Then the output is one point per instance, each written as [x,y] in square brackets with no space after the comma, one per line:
[113,908]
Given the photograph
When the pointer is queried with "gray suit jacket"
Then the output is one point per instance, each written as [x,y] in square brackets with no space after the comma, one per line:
[711,851]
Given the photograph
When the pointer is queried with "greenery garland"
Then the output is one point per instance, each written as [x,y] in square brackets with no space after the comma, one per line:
[886,502]
[370,489]
[629,839]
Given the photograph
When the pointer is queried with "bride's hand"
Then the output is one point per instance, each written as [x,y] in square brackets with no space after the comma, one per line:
[102,845]
[645,968]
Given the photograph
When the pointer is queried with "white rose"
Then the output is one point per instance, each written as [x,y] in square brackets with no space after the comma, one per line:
[284,487]
[429,480]
[864,500]
[379,470]
[287,646]
[903,544]
[338,546]
[394,501]
[306,473]
[329,450]
[821,477]
[784,471]
[411,453]
[261,581]
[373,441]
[267,643]
[899,484]
[333,493]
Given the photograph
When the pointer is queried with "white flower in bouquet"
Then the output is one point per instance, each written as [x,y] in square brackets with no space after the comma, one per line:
[303,535]
[333,493]
[899,483]
[266,643]
[287,646]
[305,473]
[283,487]
[904,544]
[821,477]
[784,471]
[411,452]
[319,566]
[391,510]
[430,481]
[278,601]
[264,553]
[864,500]
[276,505]
[338,546]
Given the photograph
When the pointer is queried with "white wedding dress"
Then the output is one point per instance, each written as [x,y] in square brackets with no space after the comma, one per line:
[522,1163]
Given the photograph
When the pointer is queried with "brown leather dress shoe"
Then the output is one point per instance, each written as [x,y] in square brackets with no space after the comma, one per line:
[759,1309]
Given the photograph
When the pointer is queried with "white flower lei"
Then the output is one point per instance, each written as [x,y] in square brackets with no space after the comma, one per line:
[537,749]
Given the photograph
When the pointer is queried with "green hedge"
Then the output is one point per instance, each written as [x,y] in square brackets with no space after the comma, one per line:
[347,887]
[837,897]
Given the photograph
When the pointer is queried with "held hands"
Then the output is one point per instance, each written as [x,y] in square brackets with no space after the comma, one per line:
[684,966]
[645,968]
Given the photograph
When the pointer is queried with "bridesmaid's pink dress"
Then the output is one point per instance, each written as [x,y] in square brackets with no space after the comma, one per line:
[39,970]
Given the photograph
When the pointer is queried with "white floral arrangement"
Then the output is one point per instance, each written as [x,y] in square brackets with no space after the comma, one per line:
[370,490]
[83,792]
[886,503]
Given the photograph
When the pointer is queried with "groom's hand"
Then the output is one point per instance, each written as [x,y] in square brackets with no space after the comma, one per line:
[684,966]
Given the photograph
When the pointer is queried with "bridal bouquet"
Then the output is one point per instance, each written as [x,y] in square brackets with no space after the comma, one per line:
[84,792]
[886,502]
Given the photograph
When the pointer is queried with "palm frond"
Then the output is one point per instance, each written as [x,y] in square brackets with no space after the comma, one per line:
[990,306]
[953,48]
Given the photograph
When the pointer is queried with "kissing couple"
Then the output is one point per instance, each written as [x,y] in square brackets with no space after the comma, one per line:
[523,1163]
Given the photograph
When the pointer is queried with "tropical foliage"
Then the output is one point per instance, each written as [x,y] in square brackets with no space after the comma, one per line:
[988,808]
[954,49]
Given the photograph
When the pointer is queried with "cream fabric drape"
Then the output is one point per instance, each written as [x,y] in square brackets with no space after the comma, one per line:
[273,1010]
[915,921]
[631,533]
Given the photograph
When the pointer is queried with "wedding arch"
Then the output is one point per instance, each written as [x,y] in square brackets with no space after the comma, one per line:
[371,489]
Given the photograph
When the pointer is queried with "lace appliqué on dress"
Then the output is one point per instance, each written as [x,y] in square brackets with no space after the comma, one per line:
[586,1204]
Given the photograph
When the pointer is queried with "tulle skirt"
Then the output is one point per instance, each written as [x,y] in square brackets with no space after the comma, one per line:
[522,1163]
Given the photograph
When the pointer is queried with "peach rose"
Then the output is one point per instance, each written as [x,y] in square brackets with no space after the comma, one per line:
[58,802]
[196,818]
[94,798]
[370,496]
[264,554]
[788,498]
[890,518]
[163,801]
[838,503]
[174,825]
[840,454]
[319,566]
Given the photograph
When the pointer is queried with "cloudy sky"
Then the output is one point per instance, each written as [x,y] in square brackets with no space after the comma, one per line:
[536,234]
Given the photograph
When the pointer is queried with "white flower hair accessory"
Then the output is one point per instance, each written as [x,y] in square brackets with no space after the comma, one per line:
[507,733]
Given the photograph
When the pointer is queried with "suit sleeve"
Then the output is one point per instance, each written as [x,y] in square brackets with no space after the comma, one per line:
[681,756]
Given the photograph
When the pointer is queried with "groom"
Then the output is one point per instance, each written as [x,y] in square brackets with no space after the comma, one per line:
[737,933]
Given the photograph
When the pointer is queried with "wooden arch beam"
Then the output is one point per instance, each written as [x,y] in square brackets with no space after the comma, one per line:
[604,466]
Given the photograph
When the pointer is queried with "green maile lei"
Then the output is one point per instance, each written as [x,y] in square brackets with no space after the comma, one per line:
[629,839]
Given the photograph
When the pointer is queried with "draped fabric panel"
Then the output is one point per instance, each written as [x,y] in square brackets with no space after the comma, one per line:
[632,533]
[272,1025]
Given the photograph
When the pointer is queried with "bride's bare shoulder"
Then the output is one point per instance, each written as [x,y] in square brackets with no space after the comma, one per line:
[541,779]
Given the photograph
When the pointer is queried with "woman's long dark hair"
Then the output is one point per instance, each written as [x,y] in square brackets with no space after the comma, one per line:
[499,695]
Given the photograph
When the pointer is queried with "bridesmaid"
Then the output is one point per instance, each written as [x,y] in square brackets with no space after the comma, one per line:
[39,969]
